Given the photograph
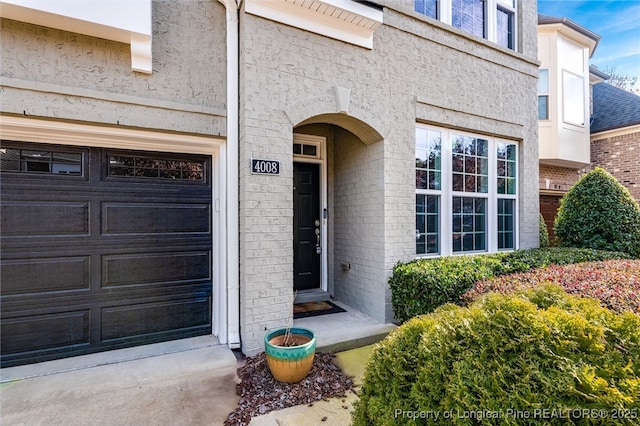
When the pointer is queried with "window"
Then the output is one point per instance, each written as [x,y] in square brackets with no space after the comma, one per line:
[506,166]
[543,94]
[40,162]
[573,98]
[505,19]
[466,192]
[475,17]
[155,168]
[428,8]
[469,15]
[428,188]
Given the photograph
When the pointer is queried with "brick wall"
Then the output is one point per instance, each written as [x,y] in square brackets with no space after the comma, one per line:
[620,156]
[559,178]
[418,70]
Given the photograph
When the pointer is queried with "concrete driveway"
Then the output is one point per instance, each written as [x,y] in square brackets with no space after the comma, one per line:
[190,387]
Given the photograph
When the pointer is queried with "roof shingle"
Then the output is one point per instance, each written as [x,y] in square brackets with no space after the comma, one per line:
[613,108]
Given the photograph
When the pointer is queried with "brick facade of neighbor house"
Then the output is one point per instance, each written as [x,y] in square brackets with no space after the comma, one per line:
[620,156]
[615,135]
[560,179]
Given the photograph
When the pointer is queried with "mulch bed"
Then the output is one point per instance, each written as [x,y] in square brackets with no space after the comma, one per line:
[260,393]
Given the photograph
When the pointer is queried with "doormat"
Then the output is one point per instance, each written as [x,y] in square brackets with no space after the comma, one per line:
[312,309]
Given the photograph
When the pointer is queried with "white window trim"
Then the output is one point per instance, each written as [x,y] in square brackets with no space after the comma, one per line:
[446,195]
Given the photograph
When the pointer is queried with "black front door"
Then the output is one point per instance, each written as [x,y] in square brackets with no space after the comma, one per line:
[306,226]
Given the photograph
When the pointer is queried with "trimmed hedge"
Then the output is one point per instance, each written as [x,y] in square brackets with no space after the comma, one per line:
[549,356]
[420,286]
[599,213]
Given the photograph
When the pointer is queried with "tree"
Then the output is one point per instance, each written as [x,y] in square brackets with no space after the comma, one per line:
[622,81]
[599,213]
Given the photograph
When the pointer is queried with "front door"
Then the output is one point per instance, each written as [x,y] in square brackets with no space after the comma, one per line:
[306,226]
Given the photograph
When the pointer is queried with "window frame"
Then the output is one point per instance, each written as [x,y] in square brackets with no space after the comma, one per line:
[446,193]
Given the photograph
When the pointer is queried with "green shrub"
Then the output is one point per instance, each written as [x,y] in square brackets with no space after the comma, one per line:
[544,233]
[542,353]
[599,213]
[420,286]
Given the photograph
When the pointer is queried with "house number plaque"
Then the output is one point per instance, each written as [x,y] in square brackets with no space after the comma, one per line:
[265,167]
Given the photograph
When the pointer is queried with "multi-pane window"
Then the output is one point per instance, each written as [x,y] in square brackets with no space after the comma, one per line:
[427,7]
[543,94]
[155,168]
[506,222]
[469,219]
[466,192]
[428,188]
[506,166]
[40,162]
[494,20]
[427,224]
[470,164]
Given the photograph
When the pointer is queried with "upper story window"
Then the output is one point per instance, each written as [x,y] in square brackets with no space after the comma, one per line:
[543,95]
[428,7]
[505,23]
[573,98]
[469,15]
[494,20]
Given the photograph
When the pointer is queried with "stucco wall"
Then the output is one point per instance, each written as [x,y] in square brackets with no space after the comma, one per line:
[418,70]
[56,74]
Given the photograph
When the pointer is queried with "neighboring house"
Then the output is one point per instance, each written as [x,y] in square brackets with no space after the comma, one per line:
[188,176]
[564,49]
[583,121]
[615,135]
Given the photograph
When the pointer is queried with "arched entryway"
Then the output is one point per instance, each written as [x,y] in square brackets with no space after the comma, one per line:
[338,196]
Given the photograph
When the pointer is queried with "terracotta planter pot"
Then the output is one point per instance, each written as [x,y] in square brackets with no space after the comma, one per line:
[290,363]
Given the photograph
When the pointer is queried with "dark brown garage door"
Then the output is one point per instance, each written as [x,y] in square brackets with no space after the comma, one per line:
[101,249]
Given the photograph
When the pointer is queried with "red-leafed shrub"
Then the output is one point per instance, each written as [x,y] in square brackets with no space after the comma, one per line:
[616,283]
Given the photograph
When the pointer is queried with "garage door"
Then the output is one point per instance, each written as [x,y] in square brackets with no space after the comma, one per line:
[101,249]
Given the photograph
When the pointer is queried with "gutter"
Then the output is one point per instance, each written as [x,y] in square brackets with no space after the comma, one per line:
[231,165]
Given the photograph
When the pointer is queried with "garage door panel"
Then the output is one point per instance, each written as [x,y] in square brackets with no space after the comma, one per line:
[149,319]
[141,268]
[35,219]
[38,332]
[45,275]
[138,218]
[133,252]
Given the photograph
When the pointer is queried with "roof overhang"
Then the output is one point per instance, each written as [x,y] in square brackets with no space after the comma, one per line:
[344,20]
[571,30]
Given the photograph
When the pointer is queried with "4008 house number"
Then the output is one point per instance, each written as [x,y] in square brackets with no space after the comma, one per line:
[265,167]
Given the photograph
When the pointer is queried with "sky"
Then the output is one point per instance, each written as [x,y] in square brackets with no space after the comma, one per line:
[617,22]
